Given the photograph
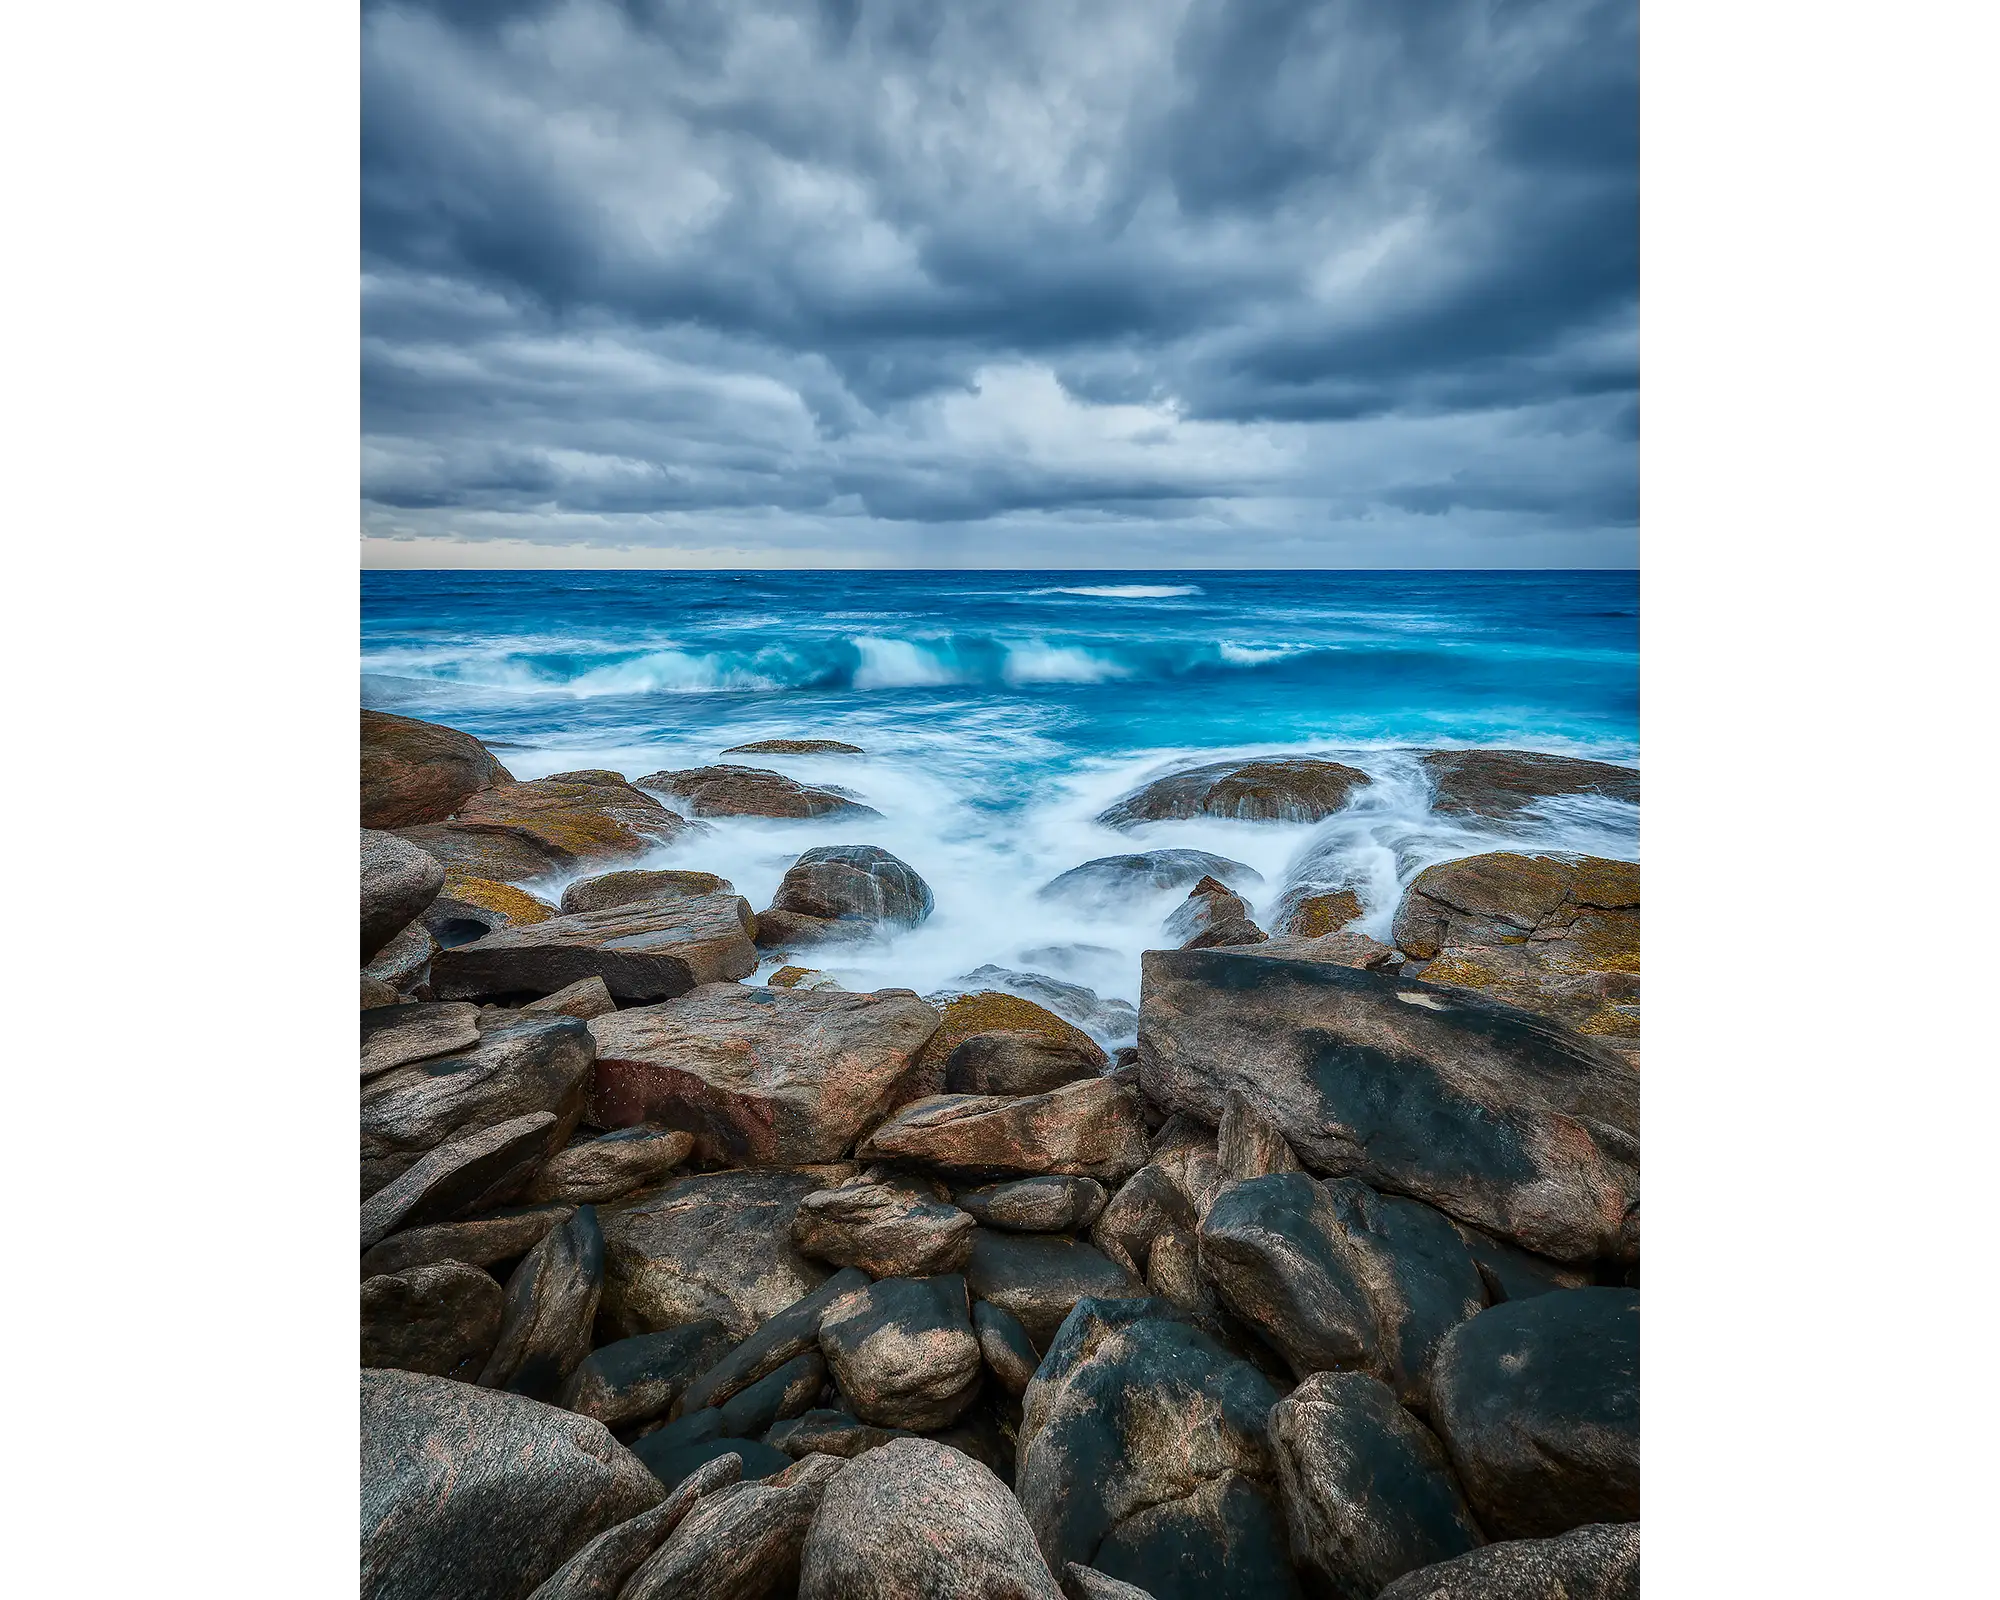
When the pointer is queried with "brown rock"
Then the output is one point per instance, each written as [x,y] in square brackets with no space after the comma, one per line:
[1187,1152]
[1498,784]
[854,883]
[1599,1561]
[481,1170]
[1148,1204]
[398,880]
[614,1165]
[1286,789]
[610,889]
[902,1351]
[752,792]
[470,908]
[1211,915]
[375,993]
[1314,916]
[1345,949]
[1249,1144]
[795,747]
[763,1076]
[441,1319]
[1173,1272]
[404,962]
[414,772]
[740,1543]
[551,1303]
[650,951]
[1087,1583]
[992,1012]
[477,1241]
[1036,1205]
[584,999]
[887,1229]
[395,1035]
[788,930]
[1037,1278]
[778,1342]
[1093,1129]
[1016,1061]
[557,824]
[600,1569]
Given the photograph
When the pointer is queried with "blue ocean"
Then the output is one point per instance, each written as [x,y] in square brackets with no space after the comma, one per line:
[1000,712]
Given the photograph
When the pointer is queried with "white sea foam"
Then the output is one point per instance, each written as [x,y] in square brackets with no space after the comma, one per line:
[1039,662]
[899,664]
[1124,591]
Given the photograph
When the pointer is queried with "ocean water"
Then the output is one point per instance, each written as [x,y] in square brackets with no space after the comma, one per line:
[1001,712]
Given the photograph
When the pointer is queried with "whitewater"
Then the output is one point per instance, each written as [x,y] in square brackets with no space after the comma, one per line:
[1000,713]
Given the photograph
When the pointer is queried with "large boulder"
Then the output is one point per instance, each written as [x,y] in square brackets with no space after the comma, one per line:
[761,1076]
[739,1543]
[752,792]
[484,1169]
[1036,1205]
[600,1569]
[414,772]
[1368,1492]
[918,1520]
[610,1166]
[441,1319]
[887,1228]
[556,824]
[398,880]
[902,1351]
[445,1464]
[477,1241]
[1599,1561]
[845,890]
[650,951]
[516,1069]
[610,889]
[1093,1129]
[1142,1454]
[1557,935]
[713,1245]
[551,1305]
[631,1381]
[1499,784]
[1038,1278]
[1496,1117]
[1281,789]
[1538,1402]
[1120,878]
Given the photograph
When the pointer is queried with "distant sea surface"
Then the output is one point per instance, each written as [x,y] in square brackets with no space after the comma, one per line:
[1000,712]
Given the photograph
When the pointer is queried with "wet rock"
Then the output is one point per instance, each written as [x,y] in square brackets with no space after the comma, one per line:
[860,884]
[1100,1017]
[1284,789]
[584,999]
[742,1542]
[1123,878]
[1249,1144]
[610,889]
[1511,1273]
[1538,1402]
[1599,1561]
[782,1339]
[1036,1205]
[903,1352]
[398,881]
[713,1245]
[404,961]
[1368,1492]
[551,1303]
[794,747]
[477,1241]
[470,908]
[1211,915]
[803,978]
[727,791]
[762,1076]
[1314,916]
[827,1433]
[646,952]
[1037,1278]
[1556,935]
[1501,784]
[415,771]
[1142,1455]
[441,1319]
[481,1170]
[887,1229]
[967,1018]
[1344,949]
[1093,1129]
[552,825]
[1497,1118]
[916,1520]
[1004,1344]
[443,1464]
[600,1569]
[614,1165]
[395,1035]
[1087,1583]
[1146,1205]
[515,1070]
[631,1381]
[786,931]
[1274,1250]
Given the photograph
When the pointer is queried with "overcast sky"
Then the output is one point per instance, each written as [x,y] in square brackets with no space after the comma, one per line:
[1113,283]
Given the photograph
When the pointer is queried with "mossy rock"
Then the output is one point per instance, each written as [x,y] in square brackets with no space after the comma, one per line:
[1318,915]
[991,1011]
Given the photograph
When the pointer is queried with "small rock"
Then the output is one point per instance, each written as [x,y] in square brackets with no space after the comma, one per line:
[403,962]
[1093,1129]
[1189,1154]
[470,908]
[1249,1144]
[1599,1561]
[1146,1205]
[782,1339]
[740,1543]
[611,1166]
[1005,1345]
[794,747]
[584,999]
[1276,789]
[610,889]
[483,1169]
[1036,1205]
[477,1241]
[599,1570]
[376,993]
[917,1520]
[727,791]
[1087,1583]
[1015,1062]
[1038,1278]
[646,952]
[1313,916]
[902,1351]
[441,1319]
[1173,1272]
[551,1303]
[827,1433]
[398,881]
[887,1229]
[1211,915]
[1368,1492]
[414,772]
[631,1381]
[805,978]
[395,1035]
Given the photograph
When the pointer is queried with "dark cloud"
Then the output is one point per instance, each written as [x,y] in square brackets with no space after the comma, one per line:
[1132,276]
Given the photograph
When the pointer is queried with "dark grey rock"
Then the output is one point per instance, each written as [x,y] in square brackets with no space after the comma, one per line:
[902,1351]
[444,1465]
[477,1241]
[481,1170]
[828,1433]
[740,1543]
[441,1319]
[1511,1273]
[631,1381]
[1146,1205]
[860,883]
[675,1466]
[1599,1561]
[1272,789]
[1173,1272]
[1005,1345]
[599,1570]
[1249,1144]
[398,880]
[1038,1277]
[1087,1583]
[1036,1205]
[781,1339]
[551,1304]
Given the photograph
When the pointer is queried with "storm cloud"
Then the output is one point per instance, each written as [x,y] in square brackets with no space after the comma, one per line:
[1145,284]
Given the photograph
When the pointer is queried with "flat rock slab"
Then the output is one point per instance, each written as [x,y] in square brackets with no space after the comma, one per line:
[795,747]
[1281,789]
[1496,1117]
[785,1337]
[611,1166]
[729,791]
[555,824]
[714,1245]
[761,1076]
[445,1464]
[473,1173]
[1091,1129]
[477,1241]
[650,951]
[1599,1561]
[1498,784]
[395,1035]
[600,1569]
[739,1543]
[413,772]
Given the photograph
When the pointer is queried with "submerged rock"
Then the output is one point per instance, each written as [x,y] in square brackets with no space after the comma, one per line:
[752,792]
[1498,784]
[1317,914]
[1211,915]
[414,772]
[651,951]
[398,881]
[844,892]
[1280,789]
[1100,1017]
[1145,872]
[795,747]
[1599,1561]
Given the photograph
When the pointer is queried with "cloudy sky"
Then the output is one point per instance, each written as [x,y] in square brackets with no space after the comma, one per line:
[1111,283]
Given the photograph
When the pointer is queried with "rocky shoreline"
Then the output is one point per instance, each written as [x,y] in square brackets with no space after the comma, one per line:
[676,1284]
